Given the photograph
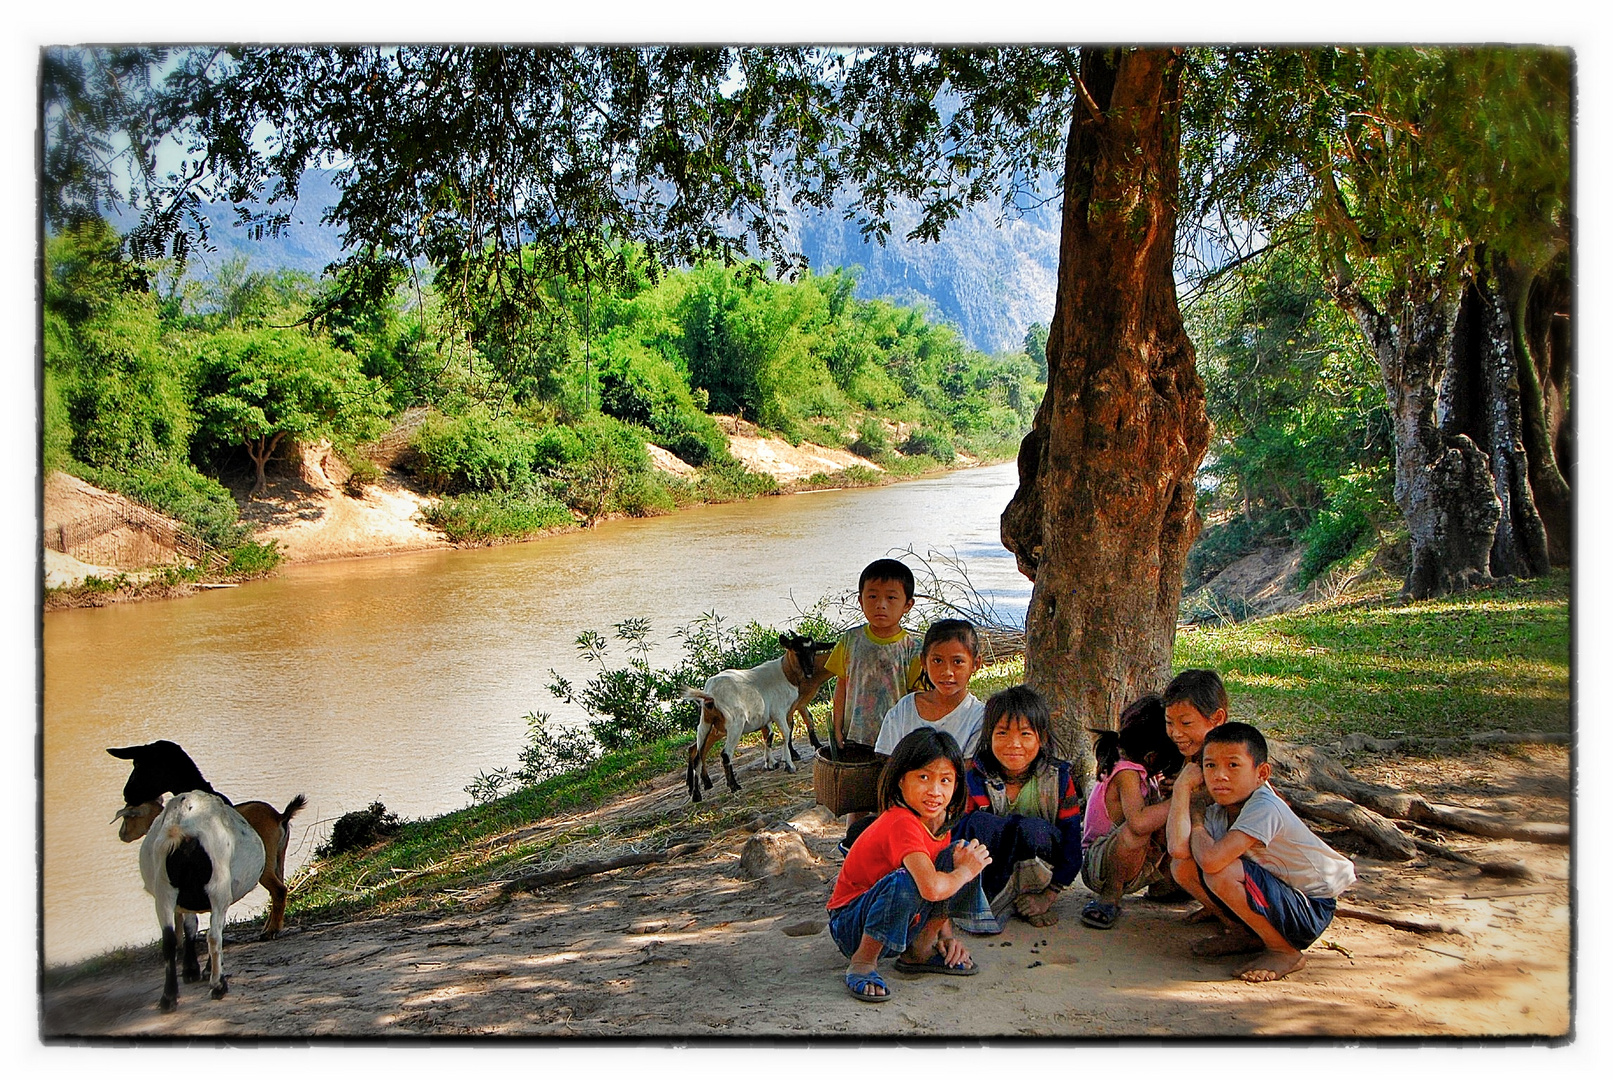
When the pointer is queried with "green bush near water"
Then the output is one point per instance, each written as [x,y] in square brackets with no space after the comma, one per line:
[490,516]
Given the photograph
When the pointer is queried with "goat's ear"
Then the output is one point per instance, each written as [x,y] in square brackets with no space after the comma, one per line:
[125,752]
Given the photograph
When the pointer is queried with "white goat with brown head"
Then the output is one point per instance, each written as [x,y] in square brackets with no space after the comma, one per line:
[737,701]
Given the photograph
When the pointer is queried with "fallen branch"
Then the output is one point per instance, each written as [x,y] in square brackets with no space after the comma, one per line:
[590,867]
[1400,922]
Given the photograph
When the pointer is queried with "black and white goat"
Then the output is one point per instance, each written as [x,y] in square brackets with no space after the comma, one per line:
[199,855]
[161,767]
[737,701]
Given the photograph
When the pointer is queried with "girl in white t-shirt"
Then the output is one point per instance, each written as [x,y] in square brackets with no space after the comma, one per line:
[950,656]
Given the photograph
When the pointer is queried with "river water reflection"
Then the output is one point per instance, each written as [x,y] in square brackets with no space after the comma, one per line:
[401,678]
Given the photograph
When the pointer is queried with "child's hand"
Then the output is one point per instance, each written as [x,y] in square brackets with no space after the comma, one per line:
[952,951]
[1190,778]
[972,856]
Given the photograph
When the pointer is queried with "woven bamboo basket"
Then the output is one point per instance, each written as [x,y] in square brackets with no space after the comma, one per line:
[848,782]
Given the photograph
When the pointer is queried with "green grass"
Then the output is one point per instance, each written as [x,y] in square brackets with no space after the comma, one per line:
[429,859]
[1497,658]
[1487,660]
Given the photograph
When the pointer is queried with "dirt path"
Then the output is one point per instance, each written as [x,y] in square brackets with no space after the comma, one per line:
[694,948]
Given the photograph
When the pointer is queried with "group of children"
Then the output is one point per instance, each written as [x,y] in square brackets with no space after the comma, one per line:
[980,821]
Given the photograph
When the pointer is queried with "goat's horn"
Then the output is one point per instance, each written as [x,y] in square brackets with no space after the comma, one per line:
[125,812]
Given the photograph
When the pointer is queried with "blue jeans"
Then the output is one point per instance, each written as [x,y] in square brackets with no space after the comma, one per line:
[892,911]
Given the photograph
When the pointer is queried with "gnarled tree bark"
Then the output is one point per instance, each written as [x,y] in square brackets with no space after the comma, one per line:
[1104,513]
[1443,484]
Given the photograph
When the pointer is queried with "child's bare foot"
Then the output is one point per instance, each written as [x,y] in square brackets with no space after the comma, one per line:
[1228,943]
[1030,905]
[1270,966]
[1201,915]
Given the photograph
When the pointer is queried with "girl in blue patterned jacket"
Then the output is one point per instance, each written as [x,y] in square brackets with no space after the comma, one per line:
[1026,809]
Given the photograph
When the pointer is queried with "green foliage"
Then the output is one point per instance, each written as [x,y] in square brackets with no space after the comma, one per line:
[239,297]
[639,385]
[638,703]
[594,465]
[474,451]
[872,440]
[487,517]
[729,481]
[1403,161]
[934,444]
[358,829]
[1302,447]
[176,489]
[256,386]
[1036,348]
[117,395]
[251,559]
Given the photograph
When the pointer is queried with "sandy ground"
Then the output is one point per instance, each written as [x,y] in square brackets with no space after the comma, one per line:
[693,947]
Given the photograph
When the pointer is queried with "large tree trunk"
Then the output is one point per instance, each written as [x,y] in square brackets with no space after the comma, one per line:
[1479,397]
[1545,351]
[1105,513]
[1443,484]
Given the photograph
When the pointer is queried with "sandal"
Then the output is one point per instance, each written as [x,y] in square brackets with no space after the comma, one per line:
[1099,914]
[935,965]
[857,985]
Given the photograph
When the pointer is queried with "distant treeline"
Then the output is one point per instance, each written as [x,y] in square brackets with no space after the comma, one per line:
[540,400]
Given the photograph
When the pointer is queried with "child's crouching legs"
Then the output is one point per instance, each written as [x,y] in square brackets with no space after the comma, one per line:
[889,914]
[1280,956]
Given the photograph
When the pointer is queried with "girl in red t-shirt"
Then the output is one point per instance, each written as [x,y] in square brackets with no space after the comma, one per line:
[903,879]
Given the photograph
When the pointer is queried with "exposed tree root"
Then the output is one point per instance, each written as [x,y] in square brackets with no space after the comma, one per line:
[1415,923]
[1320,786]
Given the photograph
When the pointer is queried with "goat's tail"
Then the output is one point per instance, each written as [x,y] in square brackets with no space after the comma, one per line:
[691,694]
[292,807]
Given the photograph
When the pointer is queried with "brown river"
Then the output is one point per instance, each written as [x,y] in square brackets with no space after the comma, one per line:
[402,678]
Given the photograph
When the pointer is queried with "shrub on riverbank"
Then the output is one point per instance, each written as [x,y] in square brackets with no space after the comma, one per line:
[492,517]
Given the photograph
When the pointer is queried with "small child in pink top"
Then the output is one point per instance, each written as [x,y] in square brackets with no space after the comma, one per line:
[1123,831]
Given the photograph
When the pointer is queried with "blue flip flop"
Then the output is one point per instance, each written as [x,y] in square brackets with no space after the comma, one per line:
[1100,915]
[935,965]
[857,986]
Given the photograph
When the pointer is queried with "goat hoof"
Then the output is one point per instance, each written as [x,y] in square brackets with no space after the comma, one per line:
[193,976]
[268,935]
[221,989]
[732,786]
[707,782]
[166,1003]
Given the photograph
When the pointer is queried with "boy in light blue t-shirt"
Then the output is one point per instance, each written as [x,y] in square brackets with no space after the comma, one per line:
[1269,879]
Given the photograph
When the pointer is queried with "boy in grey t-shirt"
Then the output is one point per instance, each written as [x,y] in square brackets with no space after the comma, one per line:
[1269,879]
